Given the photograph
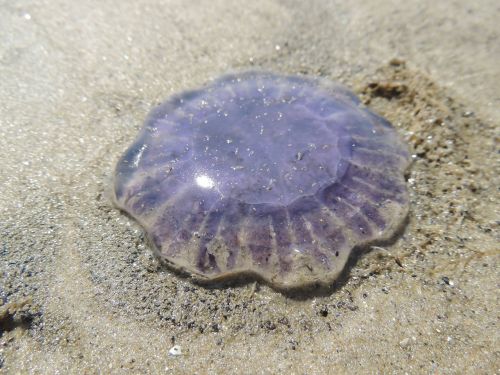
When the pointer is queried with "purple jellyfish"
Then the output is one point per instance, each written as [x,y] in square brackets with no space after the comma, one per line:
[275,176]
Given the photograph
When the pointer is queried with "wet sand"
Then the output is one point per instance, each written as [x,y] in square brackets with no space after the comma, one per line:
[80,289]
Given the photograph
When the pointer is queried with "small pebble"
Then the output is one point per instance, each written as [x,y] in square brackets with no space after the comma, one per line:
[175,350]
[404,343]
[447,281]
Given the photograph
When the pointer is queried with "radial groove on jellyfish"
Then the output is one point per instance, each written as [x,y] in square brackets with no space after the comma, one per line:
[264,174]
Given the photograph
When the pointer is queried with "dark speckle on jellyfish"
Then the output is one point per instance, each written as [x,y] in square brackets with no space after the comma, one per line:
[258,173]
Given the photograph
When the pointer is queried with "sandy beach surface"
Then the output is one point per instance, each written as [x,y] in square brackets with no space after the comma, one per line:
[80,291]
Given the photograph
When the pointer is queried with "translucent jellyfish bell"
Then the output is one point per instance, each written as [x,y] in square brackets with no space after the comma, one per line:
[258,173]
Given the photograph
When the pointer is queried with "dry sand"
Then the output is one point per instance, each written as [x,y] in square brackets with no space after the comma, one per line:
[81,292]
